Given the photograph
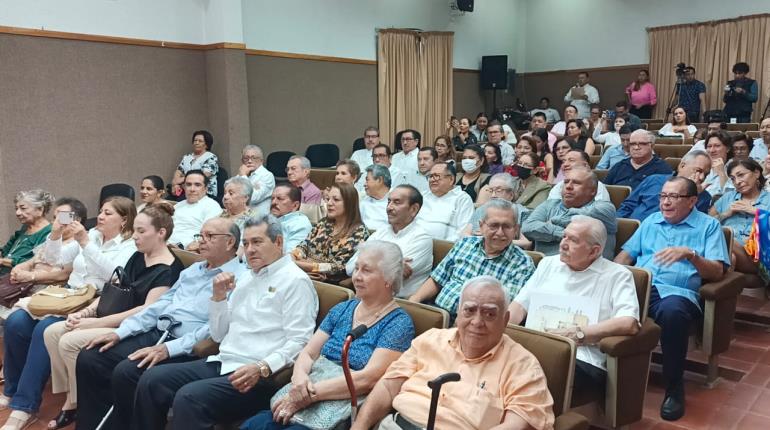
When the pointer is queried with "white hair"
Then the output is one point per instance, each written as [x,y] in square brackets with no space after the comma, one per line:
[389,259]
[246,188]
[487,282]
[597,233]
[254,148]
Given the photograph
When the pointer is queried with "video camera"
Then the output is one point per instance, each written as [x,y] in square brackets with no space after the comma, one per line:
[680,68]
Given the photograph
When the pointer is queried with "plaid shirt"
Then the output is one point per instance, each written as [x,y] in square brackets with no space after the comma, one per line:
[467,259]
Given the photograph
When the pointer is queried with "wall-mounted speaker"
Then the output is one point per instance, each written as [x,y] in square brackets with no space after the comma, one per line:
[465,5]
[494,72]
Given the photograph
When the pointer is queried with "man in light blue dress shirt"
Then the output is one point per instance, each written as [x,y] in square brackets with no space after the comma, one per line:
[683,248]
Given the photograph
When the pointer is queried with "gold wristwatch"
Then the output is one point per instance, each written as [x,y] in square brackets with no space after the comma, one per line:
[264,369]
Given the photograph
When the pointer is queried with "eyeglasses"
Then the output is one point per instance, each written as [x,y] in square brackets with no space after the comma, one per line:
[252,158]
[488,312]
[673,196]
[639,144]
[437,176]
[497,226]
[500,190]
[207,236]
[371,136]
[407,139]
[378,156]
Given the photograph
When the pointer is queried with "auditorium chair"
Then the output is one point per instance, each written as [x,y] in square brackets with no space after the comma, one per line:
[626,228]
[323,154]
[673,162]
[598,149]
[651,120]
[671,151]
[107,191]
[618,193]
[186,257]
[750,126]
[222,177]
[424,317]
[753,134]
[556,355]
[673,141]
[601,174]
[358,144]
[322,178]
[276,163]
[594,160]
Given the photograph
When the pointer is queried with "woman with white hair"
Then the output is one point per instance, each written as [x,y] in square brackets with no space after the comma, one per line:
[318,396]
[238,192]
[31,208]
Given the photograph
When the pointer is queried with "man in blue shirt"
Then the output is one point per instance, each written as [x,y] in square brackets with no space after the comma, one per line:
[644,199]
[691,95]
[682,248]
[641,163]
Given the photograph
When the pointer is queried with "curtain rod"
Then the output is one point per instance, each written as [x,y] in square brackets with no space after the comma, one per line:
[410,31]
[714,22]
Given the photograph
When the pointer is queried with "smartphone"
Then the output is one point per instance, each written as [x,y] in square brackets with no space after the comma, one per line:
[65,218]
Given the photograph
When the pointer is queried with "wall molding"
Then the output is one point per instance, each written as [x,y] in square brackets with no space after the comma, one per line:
[279,54]
[585,69]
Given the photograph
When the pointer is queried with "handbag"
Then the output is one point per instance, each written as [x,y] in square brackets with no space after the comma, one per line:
[55,300]
[10,292]
[117,295]
[325,415]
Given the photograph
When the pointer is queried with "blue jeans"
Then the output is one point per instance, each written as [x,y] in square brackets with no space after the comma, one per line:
[264,421]
[26,366]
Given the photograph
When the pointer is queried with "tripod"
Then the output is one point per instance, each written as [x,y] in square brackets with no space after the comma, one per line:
[676,96]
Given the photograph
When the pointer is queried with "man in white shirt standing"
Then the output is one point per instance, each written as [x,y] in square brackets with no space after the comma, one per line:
[404,202]
[364,156]
[374,204]
[191,213]
[426,158]
[261,179]
[582,95]
[495,136]
[406,160]
[262,321]
[446,208]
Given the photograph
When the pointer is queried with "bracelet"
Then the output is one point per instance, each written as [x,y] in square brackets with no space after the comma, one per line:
[315,268]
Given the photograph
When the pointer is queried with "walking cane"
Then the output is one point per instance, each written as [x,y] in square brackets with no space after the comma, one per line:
[353,335]
[435,387]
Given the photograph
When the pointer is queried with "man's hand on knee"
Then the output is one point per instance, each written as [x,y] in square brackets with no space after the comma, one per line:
[150,356]
[106,340]
[245,377]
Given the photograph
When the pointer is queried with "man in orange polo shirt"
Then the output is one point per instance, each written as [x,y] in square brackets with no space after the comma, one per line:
[502,385]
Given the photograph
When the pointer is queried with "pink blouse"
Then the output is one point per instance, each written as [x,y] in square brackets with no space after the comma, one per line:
[645,96]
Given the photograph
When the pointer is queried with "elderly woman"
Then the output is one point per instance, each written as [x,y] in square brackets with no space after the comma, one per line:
[320,401]
[150,272]
[577,131]
[719,147]
[199,159]
[679,126]
[27,366]
[334,238]
[445,149]
[474,171]
[237,195]
[151,191]
[736,208]
[31,208]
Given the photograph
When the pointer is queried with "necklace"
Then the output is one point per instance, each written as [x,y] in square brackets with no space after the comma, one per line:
[357,322]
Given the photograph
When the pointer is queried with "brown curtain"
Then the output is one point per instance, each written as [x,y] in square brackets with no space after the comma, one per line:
[712,48]
[414,82]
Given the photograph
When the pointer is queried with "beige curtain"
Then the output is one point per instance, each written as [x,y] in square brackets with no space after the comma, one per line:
[414,82]
[712,48]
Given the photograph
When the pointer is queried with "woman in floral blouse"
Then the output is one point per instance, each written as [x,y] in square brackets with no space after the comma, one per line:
[201,158]
[335,238]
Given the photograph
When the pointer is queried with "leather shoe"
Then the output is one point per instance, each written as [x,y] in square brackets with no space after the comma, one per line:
[673,404]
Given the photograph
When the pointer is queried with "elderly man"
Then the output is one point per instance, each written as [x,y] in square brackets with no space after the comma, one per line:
[577,158]
[582,95]
[580,271]
[262,320]
[194,210]
[446,208]
[374,204]
[261,179]
[426,158]
[644,199]
[545,225]
[298,173]
[108,374]
[492,253]
[295,226]
[642,162]
[762,143]
[364,156]
[502,385]
[682,247]
[404,202]
[406,160]
[495,136]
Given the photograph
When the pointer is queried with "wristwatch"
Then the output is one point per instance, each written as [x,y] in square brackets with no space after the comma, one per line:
[692,254]
[264,369]
[579,335]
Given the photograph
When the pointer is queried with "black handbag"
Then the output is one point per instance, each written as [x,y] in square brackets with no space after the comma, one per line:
[117,295]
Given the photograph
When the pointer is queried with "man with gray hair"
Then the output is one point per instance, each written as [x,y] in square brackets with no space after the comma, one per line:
[641,163]
[261,319]
[298,173]
[580,271]
[505,378]
[446,208]
[374,204]
[545,225]
[262,180]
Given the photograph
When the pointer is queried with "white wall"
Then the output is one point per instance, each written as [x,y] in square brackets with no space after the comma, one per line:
[596,33]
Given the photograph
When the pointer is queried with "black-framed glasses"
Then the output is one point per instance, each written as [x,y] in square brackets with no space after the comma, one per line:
[207,236]
[673,196]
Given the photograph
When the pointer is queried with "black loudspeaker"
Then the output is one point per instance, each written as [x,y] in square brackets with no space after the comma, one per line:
[494,72]
[465,5]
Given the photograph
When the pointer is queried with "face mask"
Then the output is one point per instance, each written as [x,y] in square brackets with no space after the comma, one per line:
[523,172]
[469,165]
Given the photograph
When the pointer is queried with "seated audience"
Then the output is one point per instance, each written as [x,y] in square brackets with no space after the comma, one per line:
[679,126]
[595,120]
[495,133]
[614,154]
[742,146]
[334,239]
[31,209]
[364,156]
[536,144]
[545,225]
[317,375]
[381,155]
[761,144]
[501,187]
[560,128]
[577,131]
[150,272]
[560,150]
[374,203]
[26,364]
[445,150]
[464,136]
[538,122]
[641,163]
[295,227]
[736,208]
[347,172]
[201,159]
[446,208]
[683,248]
[474,175]
[606,136]
[582,95]
[621,110]
[534,189]
[551,114]
[404,202]
[406,159]
[642,95]
[262,180]
[515,390]
[493,159]
[645,199]
[479,128]
[580,271]
[426,158]
[712,126]
[194,210]
[151,191]
[109,368]
[719,146]
[298,173]
[572,159]
[238,192]
[492,253]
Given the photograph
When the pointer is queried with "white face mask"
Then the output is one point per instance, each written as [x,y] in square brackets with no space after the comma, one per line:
[469,165]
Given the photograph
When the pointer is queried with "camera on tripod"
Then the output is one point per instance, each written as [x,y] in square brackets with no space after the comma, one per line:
[680,69]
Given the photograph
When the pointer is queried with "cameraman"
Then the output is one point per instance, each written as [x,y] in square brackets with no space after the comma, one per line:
[740,94]
[692,95]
